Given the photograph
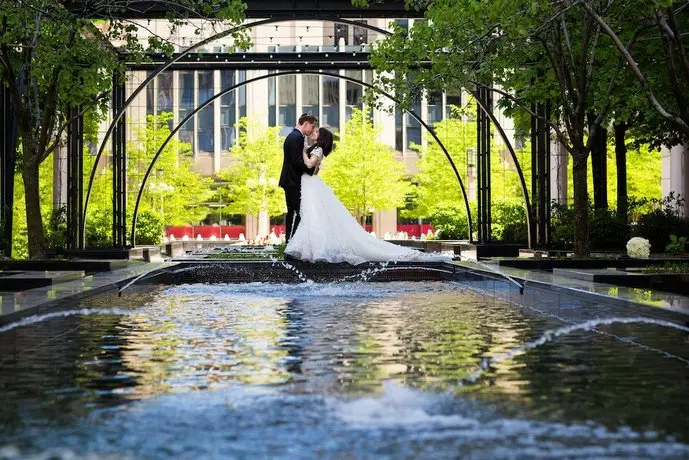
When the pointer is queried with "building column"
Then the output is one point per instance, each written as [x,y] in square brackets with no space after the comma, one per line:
[251,227]
[384,222]
[559,158]
[257,225]
[263,223]
[60,177]
[217,151]
[675,173]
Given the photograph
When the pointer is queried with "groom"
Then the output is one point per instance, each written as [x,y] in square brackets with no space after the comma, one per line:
[292,168]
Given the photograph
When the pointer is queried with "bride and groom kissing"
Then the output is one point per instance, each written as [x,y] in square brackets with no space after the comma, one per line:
[319,228]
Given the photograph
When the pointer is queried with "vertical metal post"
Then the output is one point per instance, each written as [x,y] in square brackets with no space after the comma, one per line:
[119,167]
[483,141]
[540,167]
[75,178]
[8,157]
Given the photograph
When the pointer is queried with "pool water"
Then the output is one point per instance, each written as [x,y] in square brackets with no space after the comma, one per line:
[342,370]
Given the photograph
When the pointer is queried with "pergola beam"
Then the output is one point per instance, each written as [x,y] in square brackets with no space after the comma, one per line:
[292,9]
[264,61]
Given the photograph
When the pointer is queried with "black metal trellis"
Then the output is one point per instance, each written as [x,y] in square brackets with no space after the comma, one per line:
[487,111]
[119,167]
[293,72]
[8,157]
[302,62]
[75,177]
[483,141]
[118,113]
[540,176]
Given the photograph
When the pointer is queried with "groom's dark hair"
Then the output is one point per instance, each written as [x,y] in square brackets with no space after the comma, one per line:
[307,118]
[325,139]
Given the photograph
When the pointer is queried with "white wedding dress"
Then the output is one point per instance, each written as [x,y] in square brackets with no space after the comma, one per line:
[327,232]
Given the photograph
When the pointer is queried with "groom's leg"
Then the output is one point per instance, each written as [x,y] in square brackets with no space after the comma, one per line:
[292,197]
[289,219]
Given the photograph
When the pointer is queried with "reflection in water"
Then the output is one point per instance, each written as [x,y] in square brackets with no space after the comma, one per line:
[322,351]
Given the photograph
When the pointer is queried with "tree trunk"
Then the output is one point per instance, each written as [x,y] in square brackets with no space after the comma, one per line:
[34,220]
[621,163]
[581,204]
[599,157]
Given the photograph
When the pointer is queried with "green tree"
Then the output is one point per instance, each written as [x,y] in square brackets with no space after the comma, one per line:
[666,91]
[252,179]
[437,192]
[643,170]
[20,249]
[363,172]
[436,182]
[529,52]
[51,59]
[174,191]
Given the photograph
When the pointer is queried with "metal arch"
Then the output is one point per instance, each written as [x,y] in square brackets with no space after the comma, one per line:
[293,72]
[188,50]
[527,201]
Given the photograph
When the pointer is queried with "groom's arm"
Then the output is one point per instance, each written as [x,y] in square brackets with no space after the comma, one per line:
[295,149]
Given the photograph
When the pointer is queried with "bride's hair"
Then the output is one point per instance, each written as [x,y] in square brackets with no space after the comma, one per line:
[325,140]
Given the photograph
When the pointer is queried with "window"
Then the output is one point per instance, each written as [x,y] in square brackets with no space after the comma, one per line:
[165,92]
[331,103]
[341,32]
[205,122]
[228,117]
[241,77]
[435,108]
[165,95]
[359,35]
[354,92]
[186,105]
[403,23]
[399,138]
[413,126]
[272,100]
[310,89]
[150,95]
[287,99]
[452,99]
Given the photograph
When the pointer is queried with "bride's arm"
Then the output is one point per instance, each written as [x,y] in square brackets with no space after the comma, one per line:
[309,162]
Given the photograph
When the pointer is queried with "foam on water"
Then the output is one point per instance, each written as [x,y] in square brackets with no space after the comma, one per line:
[259,422]
[63,314]
[590,325]
[213,327]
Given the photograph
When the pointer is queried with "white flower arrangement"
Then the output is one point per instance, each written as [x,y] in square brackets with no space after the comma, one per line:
[638,248]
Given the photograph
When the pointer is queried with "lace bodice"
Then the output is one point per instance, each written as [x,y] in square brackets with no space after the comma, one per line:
[318,152]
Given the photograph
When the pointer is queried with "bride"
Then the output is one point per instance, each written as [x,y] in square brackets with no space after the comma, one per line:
[327,231]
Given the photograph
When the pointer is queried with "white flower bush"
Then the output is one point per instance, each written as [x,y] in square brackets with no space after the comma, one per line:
[638,248]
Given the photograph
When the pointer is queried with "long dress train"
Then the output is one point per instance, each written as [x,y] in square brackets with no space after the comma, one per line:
[329,233]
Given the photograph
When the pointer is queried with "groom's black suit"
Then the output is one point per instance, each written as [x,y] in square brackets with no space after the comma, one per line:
[293,167]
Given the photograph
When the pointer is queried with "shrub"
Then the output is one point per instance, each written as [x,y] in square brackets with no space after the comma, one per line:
[56,231]
[99,229]
[450,223]
[657,225]
[562,226]
[677,244]
[149,228]
[509,222]
[607,230]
